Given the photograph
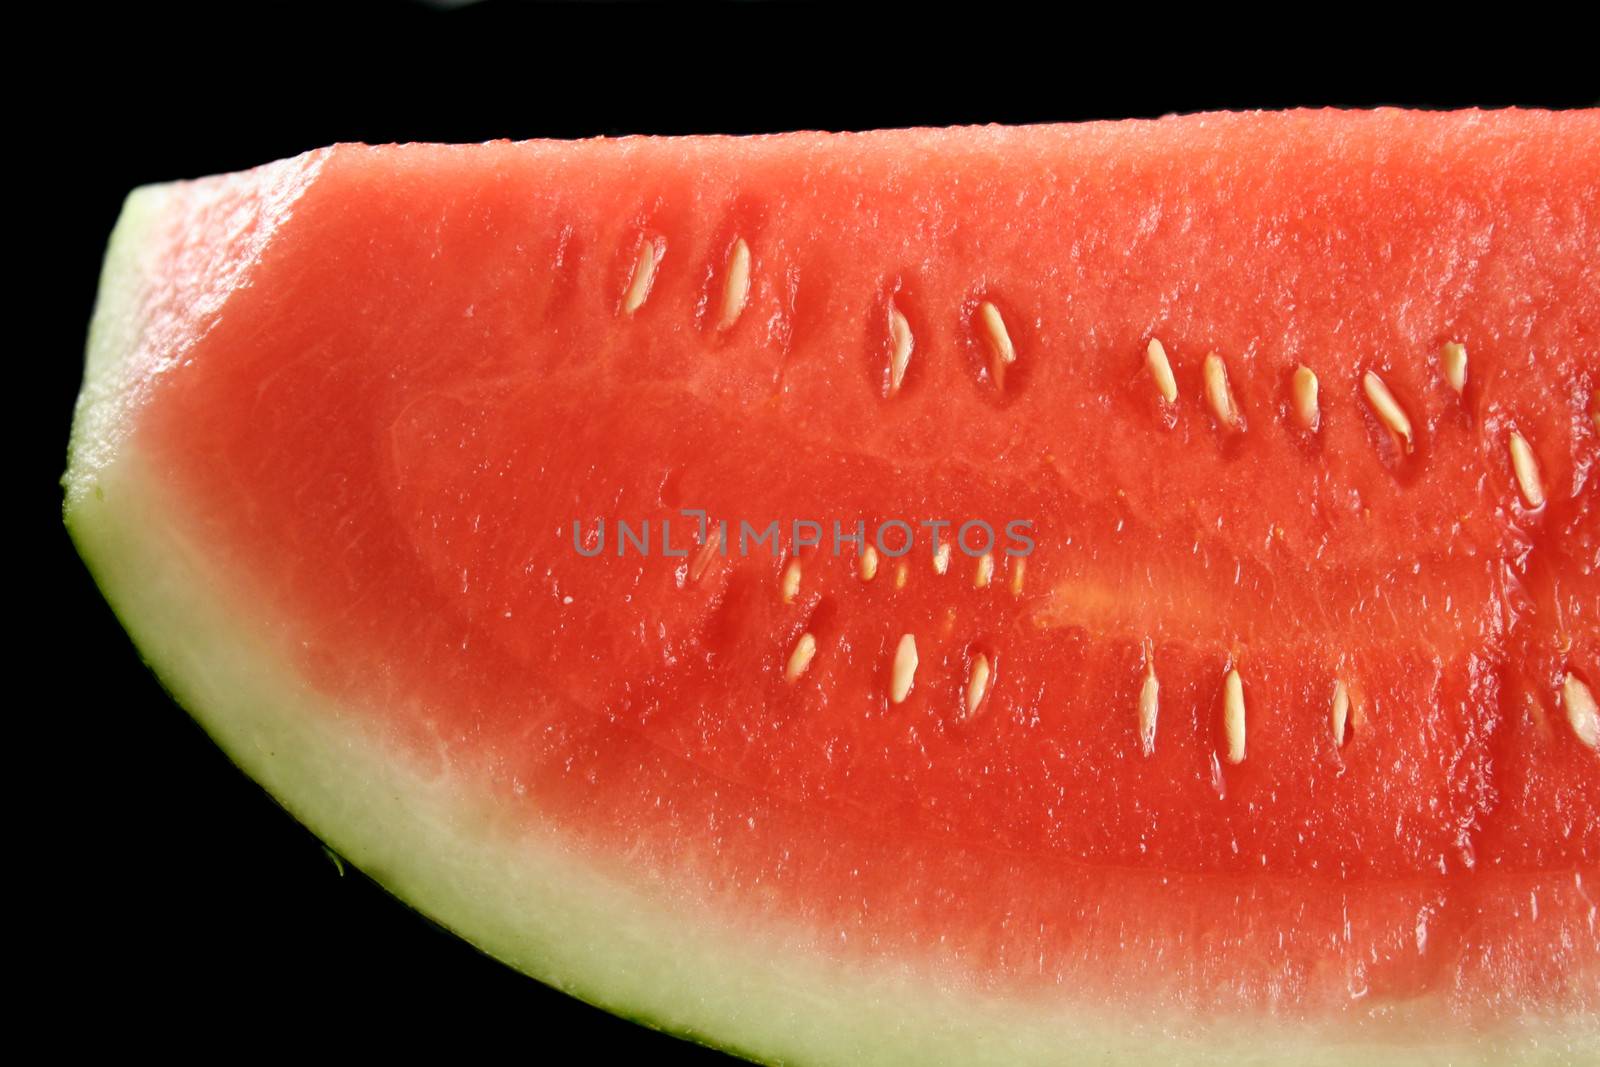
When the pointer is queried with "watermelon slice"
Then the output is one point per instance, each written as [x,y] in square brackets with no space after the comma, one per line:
[1110,593]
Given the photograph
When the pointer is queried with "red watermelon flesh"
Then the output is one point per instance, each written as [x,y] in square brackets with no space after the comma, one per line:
[343,412]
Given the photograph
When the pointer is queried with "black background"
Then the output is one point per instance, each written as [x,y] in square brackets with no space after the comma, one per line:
[180,906]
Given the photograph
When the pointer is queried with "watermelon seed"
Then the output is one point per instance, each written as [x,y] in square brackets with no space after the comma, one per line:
[1001,351]
[900,342]
[1340,711]
[800,658]
[1387,408]
[941,559]
[1149,702]
[905,669]
[1453,358]
[1582,714]
[644,275]
[1219,394]
[901,574]
[977,683]
[1233,716]
[1155,358]
[702,560]
[1526,468]
[868,568]
[1305,397]
[790,587]
[736,290]
[1019,568]
[984,572]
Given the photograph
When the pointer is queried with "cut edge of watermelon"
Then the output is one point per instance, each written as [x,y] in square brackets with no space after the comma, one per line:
[762,989]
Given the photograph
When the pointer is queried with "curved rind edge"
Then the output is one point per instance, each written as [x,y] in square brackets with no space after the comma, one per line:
[113,333]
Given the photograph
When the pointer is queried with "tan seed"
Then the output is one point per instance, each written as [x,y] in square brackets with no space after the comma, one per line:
[644,275]
[977,683]
[800,658]
[869,564]
[1002,353]
[1219,394]
[1019,567]
[904,671]
[736,290]
[1339,712]
[941,559]
[1149,708]
[1155,359]
[1582,715]
[1453,360]
[791,581]
[1526,468]
[902,574]
[1306,408]
[900,345]
[1233,716]
[1387,408]
[984,572]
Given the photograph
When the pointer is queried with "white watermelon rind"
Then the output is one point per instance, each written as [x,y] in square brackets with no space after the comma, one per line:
[757,987]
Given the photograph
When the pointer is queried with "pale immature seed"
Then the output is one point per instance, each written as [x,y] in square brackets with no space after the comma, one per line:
[904,671]
[984,571]
[1019,567]
[800,658]
[902,574]
[1339,713]
[1526,468]
[1305,397]
[1155,359]
[1233,716]
[977,683]
[1219,394]
[736,290]
[1002,352]
[1387,408]
[1453,360]
[702,560]
[791,581]
[644,275]
[868,568]
[1149,708]
[941,559]
[1582,715]
[900,345]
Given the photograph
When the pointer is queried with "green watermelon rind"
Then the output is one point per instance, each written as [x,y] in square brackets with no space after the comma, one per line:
[103,546]
[756,988]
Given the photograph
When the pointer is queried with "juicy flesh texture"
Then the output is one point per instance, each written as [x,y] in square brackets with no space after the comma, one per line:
[394,411]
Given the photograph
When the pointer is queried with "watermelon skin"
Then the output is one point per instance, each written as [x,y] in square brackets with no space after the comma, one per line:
[436,844]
